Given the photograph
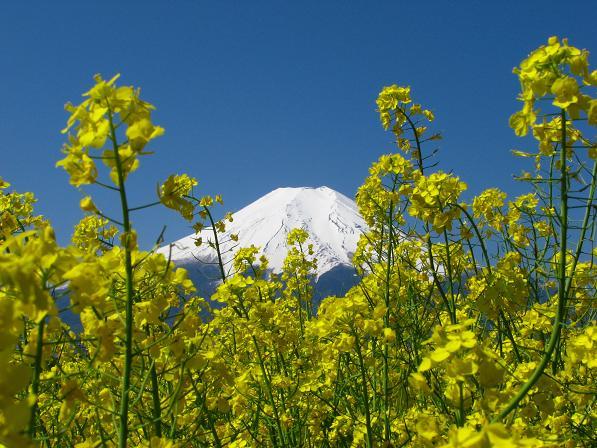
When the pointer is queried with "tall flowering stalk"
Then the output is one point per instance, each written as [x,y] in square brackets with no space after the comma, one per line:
[107,110]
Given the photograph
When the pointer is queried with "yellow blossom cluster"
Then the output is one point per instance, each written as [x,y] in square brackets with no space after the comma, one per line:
[472,323]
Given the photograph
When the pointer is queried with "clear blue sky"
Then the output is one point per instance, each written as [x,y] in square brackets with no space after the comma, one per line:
[256,95]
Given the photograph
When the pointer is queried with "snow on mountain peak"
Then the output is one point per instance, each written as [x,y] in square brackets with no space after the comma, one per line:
[331,219]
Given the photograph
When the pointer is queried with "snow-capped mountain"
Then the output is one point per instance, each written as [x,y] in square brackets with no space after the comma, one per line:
[330,218]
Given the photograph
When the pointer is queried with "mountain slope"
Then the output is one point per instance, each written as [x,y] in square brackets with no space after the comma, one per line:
[330,218]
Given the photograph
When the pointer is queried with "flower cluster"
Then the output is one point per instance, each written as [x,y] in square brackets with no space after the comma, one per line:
[472,323]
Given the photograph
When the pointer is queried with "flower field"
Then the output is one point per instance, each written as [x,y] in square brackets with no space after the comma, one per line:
[473,324]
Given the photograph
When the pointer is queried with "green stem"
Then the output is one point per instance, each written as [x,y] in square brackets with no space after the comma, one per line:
[299,306]
[436,281]
[461,418]
[270,393]
[584,227]
[477,232]
[386,381]
[157,407]
[36,375]
[557,325]
[510,335]
[128,338]
[217,244]
[450,274]
[365,392]
[141,207]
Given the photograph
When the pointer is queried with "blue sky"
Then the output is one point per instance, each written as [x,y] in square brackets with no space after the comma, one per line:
[256,95]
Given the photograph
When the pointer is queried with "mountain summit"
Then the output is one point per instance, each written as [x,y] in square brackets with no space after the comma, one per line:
[330,218]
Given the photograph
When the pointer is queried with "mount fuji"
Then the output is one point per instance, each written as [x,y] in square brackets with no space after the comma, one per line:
[331,219]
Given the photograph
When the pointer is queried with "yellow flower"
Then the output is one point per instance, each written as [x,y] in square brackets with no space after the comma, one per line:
[389,335]
[93,123]
[173,194]
[80,166]
[434,198]
[566,91]
[521,121]
[141,132]
[128,240]
[592,113]
[87,204]
[206,201]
